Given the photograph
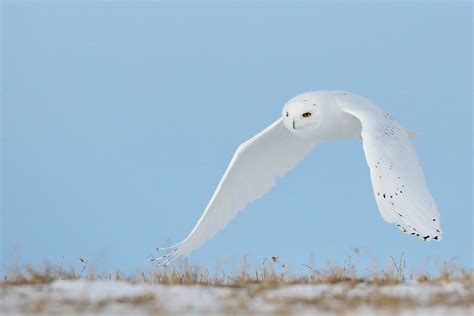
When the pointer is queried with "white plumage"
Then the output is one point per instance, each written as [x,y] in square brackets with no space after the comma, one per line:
[308,119]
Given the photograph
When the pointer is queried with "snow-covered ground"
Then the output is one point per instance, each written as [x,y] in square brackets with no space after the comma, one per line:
[119,297]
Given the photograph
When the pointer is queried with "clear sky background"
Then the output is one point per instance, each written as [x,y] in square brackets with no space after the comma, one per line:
[119,118]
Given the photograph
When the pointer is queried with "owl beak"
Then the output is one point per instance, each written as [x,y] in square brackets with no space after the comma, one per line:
[294,124]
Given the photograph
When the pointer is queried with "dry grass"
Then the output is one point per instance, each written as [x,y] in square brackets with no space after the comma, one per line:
[270,274]
[249,284]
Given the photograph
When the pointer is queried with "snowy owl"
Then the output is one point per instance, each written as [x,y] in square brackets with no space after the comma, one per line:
[309,119]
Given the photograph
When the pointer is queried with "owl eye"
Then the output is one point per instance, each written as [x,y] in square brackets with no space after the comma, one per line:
[286,114]
[307,114]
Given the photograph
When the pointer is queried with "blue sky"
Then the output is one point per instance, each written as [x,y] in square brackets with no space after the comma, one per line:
[119,118]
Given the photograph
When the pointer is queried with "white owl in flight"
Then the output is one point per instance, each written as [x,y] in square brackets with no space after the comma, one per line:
[309,119]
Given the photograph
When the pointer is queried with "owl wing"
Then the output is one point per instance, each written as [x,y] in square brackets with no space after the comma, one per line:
[397,177]
[251,173]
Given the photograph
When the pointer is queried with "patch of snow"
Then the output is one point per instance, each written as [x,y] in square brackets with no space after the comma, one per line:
[112,297]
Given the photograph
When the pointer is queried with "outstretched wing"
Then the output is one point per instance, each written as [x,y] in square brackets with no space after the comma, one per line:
[397,178]
[250,174]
